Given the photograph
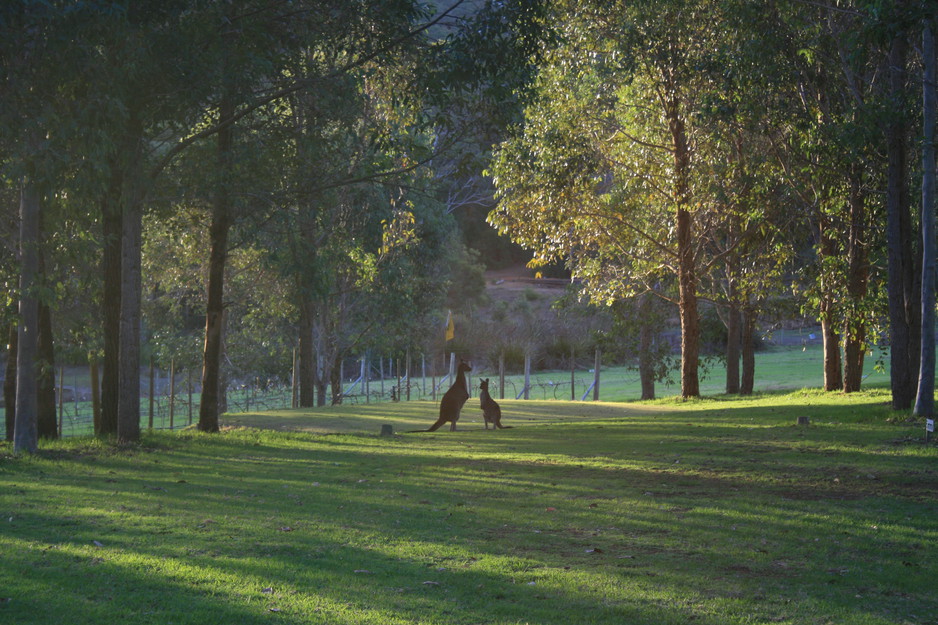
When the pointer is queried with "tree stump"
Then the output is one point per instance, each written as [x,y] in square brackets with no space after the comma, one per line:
[387,430]
[804,421]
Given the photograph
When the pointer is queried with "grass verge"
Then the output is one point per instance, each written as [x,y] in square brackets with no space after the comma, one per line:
[713,511]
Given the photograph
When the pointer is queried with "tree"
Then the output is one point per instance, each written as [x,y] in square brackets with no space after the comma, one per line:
[925,399]
[904,270]
[610,171]
[25,434]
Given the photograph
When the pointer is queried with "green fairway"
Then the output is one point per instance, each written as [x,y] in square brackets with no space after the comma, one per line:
[712,511]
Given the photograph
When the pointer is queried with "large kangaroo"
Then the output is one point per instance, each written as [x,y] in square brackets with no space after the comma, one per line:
[491,411]
[453,399]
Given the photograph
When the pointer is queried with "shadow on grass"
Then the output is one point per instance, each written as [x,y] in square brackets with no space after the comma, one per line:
[713,516]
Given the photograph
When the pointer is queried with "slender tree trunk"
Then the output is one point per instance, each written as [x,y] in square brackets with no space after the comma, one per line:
[95,392]
[903,283]
[9,382]
[47,421]
[732,344]
[322,380]
[128,416]
[214,309]
[25,431]
[646,338]
[687,273]
[307,357]
[128,397]
[223,371]
[858,269]
[747,383]
[833,378]
[336,380]
[925,401]
[112,222]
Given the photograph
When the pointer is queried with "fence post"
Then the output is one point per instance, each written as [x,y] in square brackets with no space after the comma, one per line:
[572,374]
[501,375]
[150,422]
[189,389]
[172,390]
[293,386]
[423,370]
[452,365]
[95,395]
[596,375]
[62,396]
[366,374]
[397,370]
[527,375]
[407,372]
[433,378]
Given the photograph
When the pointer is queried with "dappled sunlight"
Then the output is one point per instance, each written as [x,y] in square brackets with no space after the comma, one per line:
[648,517]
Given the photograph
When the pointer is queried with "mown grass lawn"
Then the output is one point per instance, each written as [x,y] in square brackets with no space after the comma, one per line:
[713,511]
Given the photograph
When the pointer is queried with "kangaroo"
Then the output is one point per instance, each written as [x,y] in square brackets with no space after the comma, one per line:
[453,400]
[491,411]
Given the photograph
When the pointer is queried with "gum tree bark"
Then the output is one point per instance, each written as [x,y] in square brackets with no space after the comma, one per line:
[25,431]
[858,270]
[47,421]
[215,305]
[925,401]
[112,224]
[9,382]
[903,263]
[687,275]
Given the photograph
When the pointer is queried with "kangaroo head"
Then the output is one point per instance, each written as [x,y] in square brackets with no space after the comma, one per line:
[484,384]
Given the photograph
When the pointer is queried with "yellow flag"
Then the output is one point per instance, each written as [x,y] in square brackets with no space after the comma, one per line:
[450,326]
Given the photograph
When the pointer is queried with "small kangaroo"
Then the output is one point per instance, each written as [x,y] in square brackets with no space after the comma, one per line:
[491,411]
[453,400]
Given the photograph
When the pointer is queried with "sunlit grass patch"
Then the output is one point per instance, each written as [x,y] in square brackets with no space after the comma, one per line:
[709,511]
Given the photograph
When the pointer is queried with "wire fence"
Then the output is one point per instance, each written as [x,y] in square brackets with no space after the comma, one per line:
[170,400]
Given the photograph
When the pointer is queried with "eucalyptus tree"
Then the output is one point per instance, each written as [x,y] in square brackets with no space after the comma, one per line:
[903,261]
[834,157]
[610,172]
[925,397]
[34,62]
[338,43]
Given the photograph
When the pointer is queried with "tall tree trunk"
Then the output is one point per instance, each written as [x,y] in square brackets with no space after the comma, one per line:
[903,283]
[646,336]
[747,383]
[112,222]
[131,237]
[833,378]
[687,274]
[214,308]
[45,400]
[322,380]
[128,404]
[307,356]
[925,401]
[732,343]
[25,430]
[336,380]
[858,270]
[9,382]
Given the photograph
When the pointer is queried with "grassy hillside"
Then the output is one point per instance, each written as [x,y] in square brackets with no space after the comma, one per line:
[714,511]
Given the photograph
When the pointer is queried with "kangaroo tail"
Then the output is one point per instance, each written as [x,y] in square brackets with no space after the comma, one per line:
[432,428]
